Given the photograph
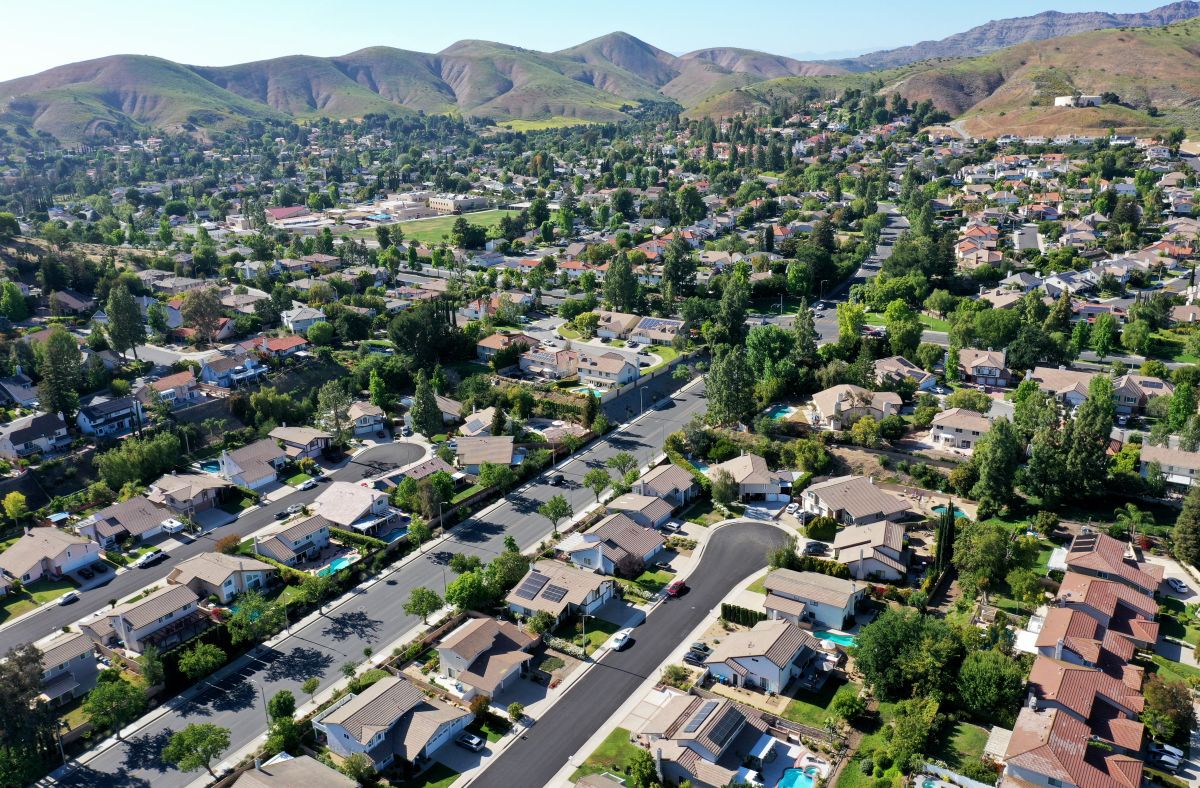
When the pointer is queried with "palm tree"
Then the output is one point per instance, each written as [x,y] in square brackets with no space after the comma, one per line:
[1131,518]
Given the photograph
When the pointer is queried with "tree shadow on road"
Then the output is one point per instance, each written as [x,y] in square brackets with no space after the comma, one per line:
[298,664]
[357,624]
[89,777]
[234,696]
[145,751]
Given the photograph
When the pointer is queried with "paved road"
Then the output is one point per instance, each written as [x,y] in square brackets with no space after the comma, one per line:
[52,617]
[375,617]
[733,552]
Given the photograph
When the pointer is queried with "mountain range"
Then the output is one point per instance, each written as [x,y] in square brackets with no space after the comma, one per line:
[610,77]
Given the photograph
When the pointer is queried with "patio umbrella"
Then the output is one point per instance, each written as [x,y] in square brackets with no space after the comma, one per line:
[828,645]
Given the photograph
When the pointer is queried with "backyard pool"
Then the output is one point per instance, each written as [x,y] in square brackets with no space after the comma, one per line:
[335,566]
[210,466]
[797,778]
[586,389]
[779,412]
[958,513]
[836,637]
[395,534]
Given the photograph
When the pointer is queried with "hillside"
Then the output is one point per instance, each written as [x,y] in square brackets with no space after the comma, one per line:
[1002,33]
[1154,69]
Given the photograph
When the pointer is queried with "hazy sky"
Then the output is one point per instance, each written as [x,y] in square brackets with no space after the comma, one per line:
[222,32]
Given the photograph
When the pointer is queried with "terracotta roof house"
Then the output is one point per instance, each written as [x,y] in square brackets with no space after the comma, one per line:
[812,599]
[873,551]
[1072,635]
[1050,746]
[220,575]
[485,656]
[494,343]
[560,590]
[1107,705]
[984,367]
[958,428]
[1100,555]
[852,500]
[47,552]
[1118,607]
[392,719]
[616,545]
[768,656]
[838,407]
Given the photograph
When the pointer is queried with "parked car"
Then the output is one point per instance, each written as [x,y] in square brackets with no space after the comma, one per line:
[295,508]
[100,567]
[281,514]
[556,480]
[815,548]
[676,588]
[792,508]
[1166,749]
[692,658]
[700,647]
[1177,585]
[172,526]
[68,598]
[669,528]
[1165,760]
[622,639]
[307,485]
[150,559]
[663,566]
[85,573]
[469,741]
[406,432]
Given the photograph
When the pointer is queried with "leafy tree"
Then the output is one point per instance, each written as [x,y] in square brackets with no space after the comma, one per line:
[997,455]
[851,318]
[505,571]
[991,685]
[12,302]
[1185,538]
[320,333]
[980,553]
[848,706]
[1024,585]
[622,462]
[1169,714]
[724,488]
[15,507]
[516,711]
[358,767]
[426,417]
[60,368]
[114,704]
[911,727]
[1183,405]
[865,432]
[620,284]
[598,480]
[469,591]
[150,661]
[464,562]
[333,409]
[9,227]
[282,704]
[540,622]
[1104,333]
[421,602]
[556,510]
[730,387]
[904,328]
[126,328]
[904,653]
[256,618]
[29,726]
[202,311]
[502,477]
[196,746]
[641,771]
[201,660]
[310,686]
[969,399]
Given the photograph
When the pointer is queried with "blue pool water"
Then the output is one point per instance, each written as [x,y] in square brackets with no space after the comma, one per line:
[336,565]
[778,412]
[700,465]
[841,640]
[796,778]
[395,534]
[210,466]
[958,513]
[583,389]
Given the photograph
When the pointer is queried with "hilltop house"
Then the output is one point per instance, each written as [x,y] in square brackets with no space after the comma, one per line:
[755,481]
[838,407]
[41,433]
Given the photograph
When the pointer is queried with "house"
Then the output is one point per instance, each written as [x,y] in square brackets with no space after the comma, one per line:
[230,370]
[20,390]
[275,347]
[472,453]
[175,390]
[549,363]
[297,542]
[493,344]
[1178,467]
[301,442]
[897,368]
[301,318]
[958,428]
[755,481]
[560,590]
[767,656]
[41,433]
[1132,392]
[984,367]
[69,668]
[450,408]
[1100,555]
[693,738]
[479,423]
[616,545]
[1050,746]
[221,576]
[838,407]
[392,719]
[606,371]
[656,330]
[669,482]
[284,771]
[187,493]
[485,655]
[47,552]
[852,500]
[615,325]
[69,302]
[367,417]
[1107,704]
[1116,606]
[874,551]
[648,511]
[1068,386]
[253,466]
[163,618]
[107,417]
[812,599]
[1074,636]
[138,519]
[362,509]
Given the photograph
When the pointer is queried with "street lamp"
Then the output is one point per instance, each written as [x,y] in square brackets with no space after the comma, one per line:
[823,283]
[263,692]
[583,617]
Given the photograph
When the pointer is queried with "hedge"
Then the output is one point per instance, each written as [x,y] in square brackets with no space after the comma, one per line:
[284,569]
[741,615]
[674,456]
[823,528]
[368,543]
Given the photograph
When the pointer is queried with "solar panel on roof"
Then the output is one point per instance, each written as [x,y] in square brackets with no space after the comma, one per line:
[554,593]
[696,721]
[532,585]
[725,728]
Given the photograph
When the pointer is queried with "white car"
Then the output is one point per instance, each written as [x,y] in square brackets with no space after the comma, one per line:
[307,485]
[68,598]
[295,508]
[1166,749]
[792,508]
[621,639]
[172,526]
[1177,585]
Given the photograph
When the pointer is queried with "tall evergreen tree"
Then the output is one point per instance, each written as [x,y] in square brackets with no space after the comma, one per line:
[126,328]
[1186,536]
[60,368]
[426,417]
[997,456]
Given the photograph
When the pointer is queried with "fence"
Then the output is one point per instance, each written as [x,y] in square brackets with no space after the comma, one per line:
[954,777]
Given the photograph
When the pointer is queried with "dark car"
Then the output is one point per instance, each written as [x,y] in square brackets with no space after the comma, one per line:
[470,742]
[663,566]
[815,548]
[85,573]
[281,514]
[700,647]
[556,480]
[100,567]
[692,658]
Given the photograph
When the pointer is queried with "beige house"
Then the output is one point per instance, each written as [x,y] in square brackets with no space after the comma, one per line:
[367,417]
[616,544]
[1178,467]
[355,508]
[648,511]
[984,367]
[559,590]
[606,370]
[811,599]
[852,500]
[958,428]
[615,325]
[163,618]
[755,481]
[472,453]
[220,575]
[767,656]
[187,493]
[253,466]
[485,656]
[285,771]
[301,442]
[296,542]
[838,407]
[47,552]
[669,482]
[69,667]
[896,368]
[139,518]
[873,551]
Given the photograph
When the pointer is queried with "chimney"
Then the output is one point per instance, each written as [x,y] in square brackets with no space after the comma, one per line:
[1058,647]
[258,764]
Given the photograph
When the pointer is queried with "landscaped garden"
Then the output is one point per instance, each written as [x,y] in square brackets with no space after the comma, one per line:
[613,755]
[812,708]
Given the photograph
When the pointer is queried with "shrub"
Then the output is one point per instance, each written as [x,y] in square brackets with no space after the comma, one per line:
[228,544]
[823,528]
[866,765]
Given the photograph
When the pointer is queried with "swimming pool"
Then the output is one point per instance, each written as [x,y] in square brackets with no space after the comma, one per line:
[336,565]
[583,389]
[958,513]
[797,778]
[778,412]
[210,466]
[840,639]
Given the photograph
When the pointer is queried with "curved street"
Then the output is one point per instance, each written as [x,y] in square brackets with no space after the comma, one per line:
[733,553]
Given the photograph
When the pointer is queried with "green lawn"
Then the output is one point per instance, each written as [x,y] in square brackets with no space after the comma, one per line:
[1169,346]
[758,586]
[430,231]
[873,739]
[930,322]
[466,369]
[32,597]
[966,744]
[666,352]
[566,332]
[467,493]
[437,776]
[1173,671]
[654,581]
[809,708]
[613,755]
[1178,623]
[298,479]
[493,728]
[598,631]
[555,122]
[239,505]
[703,512]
